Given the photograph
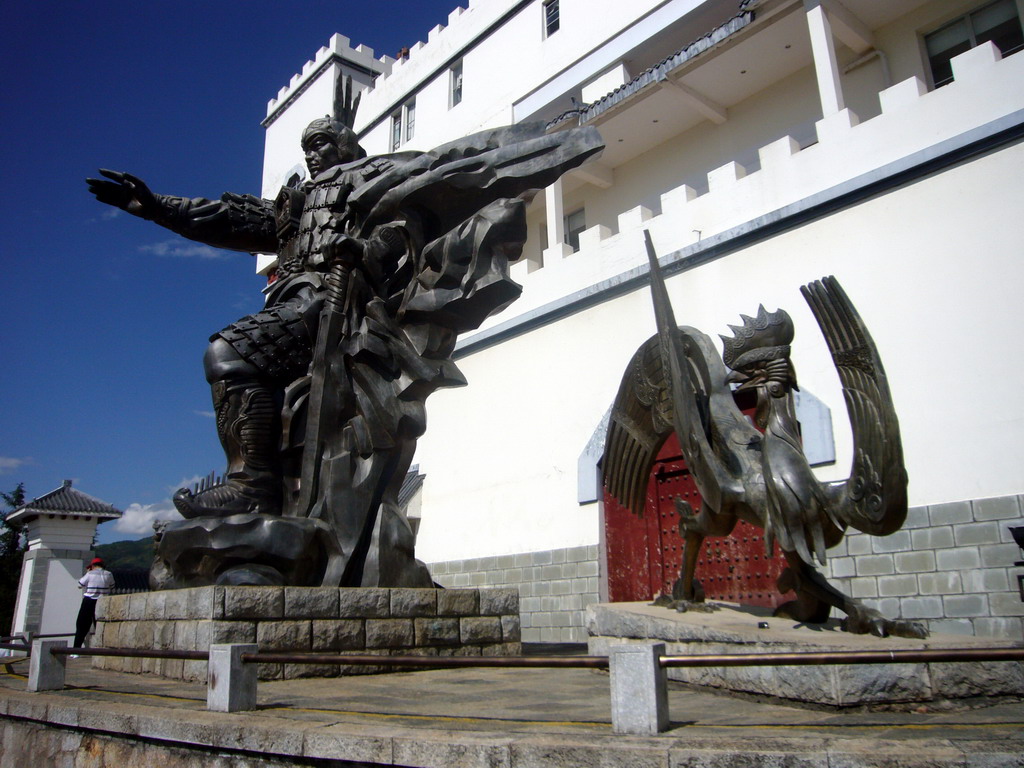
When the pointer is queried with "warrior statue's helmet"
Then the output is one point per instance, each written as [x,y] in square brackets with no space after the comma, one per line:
[343,137]
[338,127]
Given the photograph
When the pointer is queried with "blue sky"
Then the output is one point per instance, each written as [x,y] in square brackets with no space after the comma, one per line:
[107,316]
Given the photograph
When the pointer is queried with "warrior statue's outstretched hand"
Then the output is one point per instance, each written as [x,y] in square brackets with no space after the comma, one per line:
[127,192]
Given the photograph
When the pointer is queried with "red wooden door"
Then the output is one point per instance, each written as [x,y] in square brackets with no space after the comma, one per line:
[645,554]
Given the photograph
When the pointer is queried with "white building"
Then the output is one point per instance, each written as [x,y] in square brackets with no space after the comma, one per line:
[60,526]
[764,144]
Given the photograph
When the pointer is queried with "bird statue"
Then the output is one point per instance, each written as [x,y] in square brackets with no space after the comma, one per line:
[677,381]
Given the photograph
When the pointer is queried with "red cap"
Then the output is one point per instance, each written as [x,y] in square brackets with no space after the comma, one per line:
[96,561]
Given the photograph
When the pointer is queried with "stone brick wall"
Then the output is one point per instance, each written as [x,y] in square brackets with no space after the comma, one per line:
[428,622]
[951,566]
[555,586]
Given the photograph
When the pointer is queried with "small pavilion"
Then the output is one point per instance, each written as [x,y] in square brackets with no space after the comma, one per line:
[60,526]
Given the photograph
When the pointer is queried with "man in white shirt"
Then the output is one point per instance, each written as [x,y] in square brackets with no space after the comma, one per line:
[96,582]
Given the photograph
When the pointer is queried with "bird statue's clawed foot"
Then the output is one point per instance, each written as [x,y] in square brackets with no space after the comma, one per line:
[695,593]
[684,606]
[867,621]
[806,608]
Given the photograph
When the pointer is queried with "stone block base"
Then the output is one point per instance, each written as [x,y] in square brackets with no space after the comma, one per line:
[395,622]
[734,629]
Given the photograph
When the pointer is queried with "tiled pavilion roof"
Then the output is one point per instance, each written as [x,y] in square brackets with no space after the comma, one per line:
[66,501]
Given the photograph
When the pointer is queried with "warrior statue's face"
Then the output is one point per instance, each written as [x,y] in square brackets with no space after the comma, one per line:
[321,153]
[328,143]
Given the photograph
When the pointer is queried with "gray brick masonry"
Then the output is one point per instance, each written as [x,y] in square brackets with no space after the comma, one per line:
[951,566]
[956,573]
[554,586]
[322,619]
[955,512]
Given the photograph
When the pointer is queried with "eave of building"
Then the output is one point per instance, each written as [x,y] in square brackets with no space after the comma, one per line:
[765,43]
[65,501]
[31,513]
[700,81]
[410,486]
[666,70]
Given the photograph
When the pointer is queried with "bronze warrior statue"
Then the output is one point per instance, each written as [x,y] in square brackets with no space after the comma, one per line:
[319,397]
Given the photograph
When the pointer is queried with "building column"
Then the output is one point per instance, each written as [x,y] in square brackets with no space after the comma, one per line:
[555,211]
[830,89]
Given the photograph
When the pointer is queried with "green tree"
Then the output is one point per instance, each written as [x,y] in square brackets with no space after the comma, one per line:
[12,549]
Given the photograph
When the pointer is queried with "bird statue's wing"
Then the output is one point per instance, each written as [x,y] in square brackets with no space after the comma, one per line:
[641,419]
[676,380]
[874,498]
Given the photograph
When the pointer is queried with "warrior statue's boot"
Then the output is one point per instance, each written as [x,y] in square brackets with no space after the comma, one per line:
[247,424]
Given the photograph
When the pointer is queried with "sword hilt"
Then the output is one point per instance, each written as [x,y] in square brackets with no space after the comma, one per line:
[336,281]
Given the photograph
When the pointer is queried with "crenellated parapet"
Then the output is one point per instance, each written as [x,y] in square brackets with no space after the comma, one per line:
[384,73]
[914,124]
[339,50]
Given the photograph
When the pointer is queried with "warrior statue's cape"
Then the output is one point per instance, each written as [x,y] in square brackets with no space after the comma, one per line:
[460,178]
[379,353]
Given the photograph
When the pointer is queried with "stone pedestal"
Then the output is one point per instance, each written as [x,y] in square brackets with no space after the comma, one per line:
[427,622]
[734,629]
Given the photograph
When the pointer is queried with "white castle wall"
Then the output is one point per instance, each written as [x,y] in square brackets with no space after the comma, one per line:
[932,268]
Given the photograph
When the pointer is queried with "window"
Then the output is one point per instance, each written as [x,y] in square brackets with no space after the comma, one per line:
[396,131]
[410,120]
[455,85]
[403,125]
[996,21]
[575,223]
[551,17]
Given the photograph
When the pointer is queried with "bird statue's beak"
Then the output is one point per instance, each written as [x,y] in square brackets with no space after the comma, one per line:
[744,380]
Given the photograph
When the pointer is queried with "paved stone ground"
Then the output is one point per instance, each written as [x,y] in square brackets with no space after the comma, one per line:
[512,717]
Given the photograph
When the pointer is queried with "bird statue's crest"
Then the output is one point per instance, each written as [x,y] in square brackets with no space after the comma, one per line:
[765,337]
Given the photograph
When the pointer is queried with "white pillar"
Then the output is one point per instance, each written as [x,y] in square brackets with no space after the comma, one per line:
[830,89]
[46,670]
[231,683]
[639,688]
[555,210]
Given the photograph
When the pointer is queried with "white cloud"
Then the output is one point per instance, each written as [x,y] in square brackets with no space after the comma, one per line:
[183,250]
[207,414]
[111,213]
[9,464]
[186,482]
[138,518]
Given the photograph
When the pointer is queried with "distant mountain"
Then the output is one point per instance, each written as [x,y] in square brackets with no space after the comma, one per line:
[127,555]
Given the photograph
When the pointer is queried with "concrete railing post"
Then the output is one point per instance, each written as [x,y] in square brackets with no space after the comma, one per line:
[639,686]
[231,684]
[46,670]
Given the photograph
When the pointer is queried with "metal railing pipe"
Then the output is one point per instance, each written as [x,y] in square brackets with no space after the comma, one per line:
[912,656]
[132,653]
[275,657]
